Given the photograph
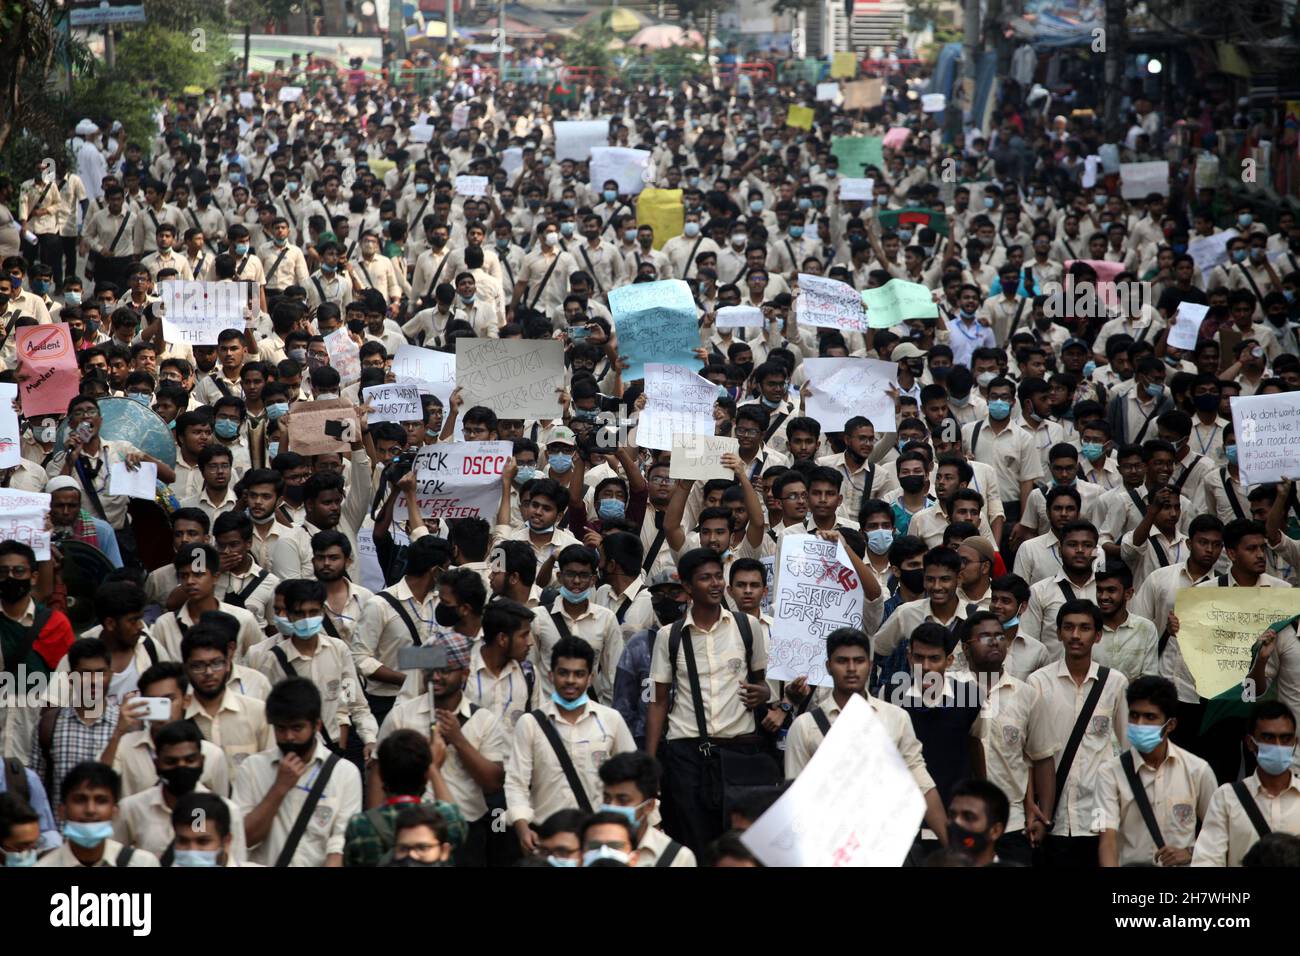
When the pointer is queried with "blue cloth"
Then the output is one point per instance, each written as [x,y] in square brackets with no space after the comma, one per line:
[107,541]
[40,802]
[631,681]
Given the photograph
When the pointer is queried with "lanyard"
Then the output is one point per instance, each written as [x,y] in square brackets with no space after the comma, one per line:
[1205,446]
[510,684]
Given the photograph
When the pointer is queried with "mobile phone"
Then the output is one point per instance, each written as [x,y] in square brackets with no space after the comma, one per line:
[160,708]
[84,431]
[578,333]
[425,657]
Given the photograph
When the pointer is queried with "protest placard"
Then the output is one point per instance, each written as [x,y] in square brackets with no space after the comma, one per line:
[739,317]
[512,160]
[863,94]
[842,388]
[372,576]
[421,133]
[345,355]
[844,65]
[48,370]
[1218,626]
[855,803]
[471,185]
[322,427]
[246,100]
[196,313]
[432,372]
[575,138]
[625,166]
[1267,428]
[655,322]
[1210,251]
[933,103]
[459,116]
[815,595]
[827,92]
[799,117]
[854,188]
[896,137]
[829,304]
[290,94]
[516,378]
[699,457]
[663,211]
[769,573]
[678,402]
[1138,180]
[458,480]
[1187,327]
[896,301]
[857,153]
[393,403]
[22,518]
[11,450]
[141,482]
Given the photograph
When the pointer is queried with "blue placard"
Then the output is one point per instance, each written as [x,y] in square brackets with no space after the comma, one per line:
[655,322]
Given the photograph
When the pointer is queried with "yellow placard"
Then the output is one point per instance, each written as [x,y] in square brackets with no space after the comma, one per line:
[844,66]
[381,167]
[799,117]
[1218,626]
[663,211]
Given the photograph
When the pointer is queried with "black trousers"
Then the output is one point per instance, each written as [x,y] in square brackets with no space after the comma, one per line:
[696,798]
[49,250]
[1015,848]
[69,244]
[490,842]
[112,270]
[1071,853]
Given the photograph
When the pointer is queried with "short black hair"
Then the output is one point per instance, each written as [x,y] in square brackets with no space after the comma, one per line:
[294,698]
[635,766]
[1156,690]
[202,805]
[997,808]
[92,773]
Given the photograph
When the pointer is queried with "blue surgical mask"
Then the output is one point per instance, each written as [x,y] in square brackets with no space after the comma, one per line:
[141,397]
[1230,451]
[308,626]
[23,859]
[283,625]
[72,297]
[525,474]
[629,812]
[805,203]
[611,509]
[880,540]
[999,410]
[988,202]
[796,232]
[277,410]
[574,597]
[768,403]
[272,449]
[562,862]
[194,858]
[421,188]
[691,230]
[566,229]
[1245,219]
[1010,623]
[88,835]
[443,168]
[560,463]
[328,269]
[905,235]
[629,235]
[40,286]
[610,195]
[1273,758]
[563,704]
[241,248]
[756,205]
[604,853]
[1093,451]
[225,428]
[1146,737]
[1088,368]
[1238,255]
[1155,389]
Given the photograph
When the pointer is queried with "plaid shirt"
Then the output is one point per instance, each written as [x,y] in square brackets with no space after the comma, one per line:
[73,742]
[365,845]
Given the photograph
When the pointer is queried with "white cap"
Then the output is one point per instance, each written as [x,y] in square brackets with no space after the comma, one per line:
[87,128]
[61,483]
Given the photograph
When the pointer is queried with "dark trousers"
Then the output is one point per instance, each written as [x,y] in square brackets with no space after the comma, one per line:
[1015,848]
[69,244]
[49,250]
[1071,853]
[490,842]
[380,706]
[112,270]
[696,805]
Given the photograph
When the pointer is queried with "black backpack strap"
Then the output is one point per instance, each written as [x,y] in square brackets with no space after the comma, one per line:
[560,624]
[308,808]
[1161,556]
[433,283]
[16,779]
[168,855]
[396,605]
[88,482]
[1146,423]
[1076,735]
[1138,503]
[276,264]
[117,236]
[1251,807]
[772,429]
[1141,799]
[545,279]
[278,653]
[680,635]
[124,856]
[151,649]
[621,613]
[975,438]
[473,709]
[1020,312]
[653,551]
[566,762]
[1187,473]
[821,720]
[238,598]
[1231,494]
[328,625]
[670,854]
[600,289]
[746,636]
[1066,589]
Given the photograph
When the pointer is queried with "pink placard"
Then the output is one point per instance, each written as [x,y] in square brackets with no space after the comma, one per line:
[48,376]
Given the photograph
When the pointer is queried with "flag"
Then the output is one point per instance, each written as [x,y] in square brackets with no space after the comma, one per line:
[914,216]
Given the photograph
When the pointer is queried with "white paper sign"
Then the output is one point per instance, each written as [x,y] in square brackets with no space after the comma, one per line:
[1267,428]
[290,94]
[829,304]
[1210,251]
[11,449]
[855,803]
[22,518]
[574,139]
[843,388]
[815,596]
[460,116]
[699,457]
[434,373]
[458,480]
[625,166]
[678,402]
[393,403]
[420,133]
[471,185]
[196,313]
[933,102]
[1184,333]
[246,100]
[372,576]
[141,483]
[827,92]
[1139,180]
[345,355]
[512,160]
[739,317]
[854,188]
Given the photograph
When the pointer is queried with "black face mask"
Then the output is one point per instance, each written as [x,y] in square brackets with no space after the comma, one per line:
[446,615]
[967,841]
[912,484]
[13,590]
[181,780]
[293,494]
[667,610]
[301,750]
[409,861]
[913,580]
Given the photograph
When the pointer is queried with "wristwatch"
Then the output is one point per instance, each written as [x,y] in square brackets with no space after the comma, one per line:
[786,706]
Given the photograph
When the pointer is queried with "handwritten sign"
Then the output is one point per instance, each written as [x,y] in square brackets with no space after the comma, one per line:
[140,483]
[829,304]
[897,137]
[459,479]
[460,116]
[739,317]
[574,139]
[678,402]
[1184,333]
[857,153]
[1218,626]
[1210,251]
[432,372]
[22,518]
[896,301]
[246,100]
[933,102]
[319,428]
[856,189]
[844,65]
[345,355]
[1139,180]
[625,166]
[516,378]
[49,376]
[855,803]
[827,92]
[196,313]
[11,450]
[393,403]
[842,388]
[656,322]
[815,596]
[699,457]
[290,94]
[1267,428]
[420,133]
[471,185]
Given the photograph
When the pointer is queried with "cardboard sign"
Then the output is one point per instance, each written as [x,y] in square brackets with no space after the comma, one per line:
[318,428]
[516,378]
[699,457]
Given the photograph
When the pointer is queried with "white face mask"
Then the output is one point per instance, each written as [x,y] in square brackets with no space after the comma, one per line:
[552,238]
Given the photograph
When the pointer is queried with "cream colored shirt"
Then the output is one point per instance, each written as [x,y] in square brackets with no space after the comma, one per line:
[1046,598]
[596,625]
[62,856]
[654,843]
[145,822]
[333,672]
[381,633]
[805,737]
[239,727]
[1003,728]
[1227,833]
[167,629]
[1179,791]
[134,763]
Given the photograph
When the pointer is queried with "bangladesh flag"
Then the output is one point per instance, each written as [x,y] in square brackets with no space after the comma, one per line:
[1232,702]
[914,217]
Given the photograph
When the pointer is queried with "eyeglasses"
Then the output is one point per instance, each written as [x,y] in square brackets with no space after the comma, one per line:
[795,497]
[205,667]
[84,411]
[660,480]
[15,572]
[577,575]
[747,433]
